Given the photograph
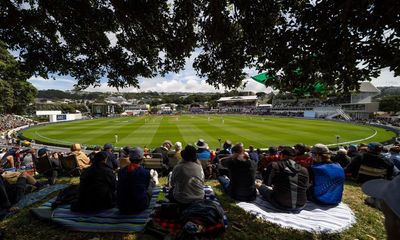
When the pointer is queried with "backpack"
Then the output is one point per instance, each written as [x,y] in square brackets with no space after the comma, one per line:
[203,219]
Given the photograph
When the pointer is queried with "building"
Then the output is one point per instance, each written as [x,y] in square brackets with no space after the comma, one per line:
[237,104]
[361,105]
[102,109]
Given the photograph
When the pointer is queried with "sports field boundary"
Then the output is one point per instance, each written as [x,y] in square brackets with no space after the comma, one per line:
[62,143]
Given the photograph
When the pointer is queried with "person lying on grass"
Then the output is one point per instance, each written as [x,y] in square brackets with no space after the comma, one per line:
[10,194]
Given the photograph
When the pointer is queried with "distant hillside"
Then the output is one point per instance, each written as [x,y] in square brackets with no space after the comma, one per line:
[389,91]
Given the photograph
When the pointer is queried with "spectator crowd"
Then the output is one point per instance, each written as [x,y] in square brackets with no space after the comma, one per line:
[286,176]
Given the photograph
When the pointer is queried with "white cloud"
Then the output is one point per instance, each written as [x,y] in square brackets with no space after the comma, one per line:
[386,78]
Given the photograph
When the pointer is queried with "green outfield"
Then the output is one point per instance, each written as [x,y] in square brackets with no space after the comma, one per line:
[259,131]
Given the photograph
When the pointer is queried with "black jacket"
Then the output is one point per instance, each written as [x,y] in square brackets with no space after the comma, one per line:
[97,189]
[290,183]
[368,166]
[242,178]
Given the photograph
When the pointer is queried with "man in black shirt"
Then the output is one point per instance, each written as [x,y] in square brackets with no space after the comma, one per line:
[370,165]
[242,172]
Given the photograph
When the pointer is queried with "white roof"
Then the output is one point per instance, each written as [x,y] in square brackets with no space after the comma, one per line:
[368,87]
[237,98]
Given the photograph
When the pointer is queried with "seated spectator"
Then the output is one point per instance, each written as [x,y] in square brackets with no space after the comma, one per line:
[51,176]
[352,151]
[97,186]
[253,154]
[388,194]
[302,157]
[187,180]
[178,150]
[327,178]
[11,158]
[272,156]
[111,158]
[83,160]
[163,150]
[10,194]
[96,149]
[135,186]
[341,158]
[240,186]
[124,157]
[227,148]
[370,165]
[395,156]
[286,184]
[202,150]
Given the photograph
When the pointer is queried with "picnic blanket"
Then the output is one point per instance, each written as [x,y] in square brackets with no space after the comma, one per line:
[110,220]
[313,218]
[34,197]
[173,225]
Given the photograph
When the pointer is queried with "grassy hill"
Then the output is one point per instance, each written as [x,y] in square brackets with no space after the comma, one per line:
[242,225]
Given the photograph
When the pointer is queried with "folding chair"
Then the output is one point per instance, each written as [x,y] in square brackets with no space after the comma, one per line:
[70,165]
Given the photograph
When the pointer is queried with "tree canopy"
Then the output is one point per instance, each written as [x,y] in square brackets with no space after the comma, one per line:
[334,42]
[16,93]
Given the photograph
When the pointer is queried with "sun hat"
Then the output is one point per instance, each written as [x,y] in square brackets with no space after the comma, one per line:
[201,144]
[386,190]
[167,142]
[178,145]
[320,149]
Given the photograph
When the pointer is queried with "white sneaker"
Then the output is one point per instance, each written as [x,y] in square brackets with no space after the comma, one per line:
[154,176]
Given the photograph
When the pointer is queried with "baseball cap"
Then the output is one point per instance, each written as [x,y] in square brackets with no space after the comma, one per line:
[375,146]
[42,151]
[386,190]
[353,147]
[136,154]
[288,151]
[320,149]
[108,146]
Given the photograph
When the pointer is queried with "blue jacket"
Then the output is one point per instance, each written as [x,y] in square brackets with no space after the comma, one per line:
[203,154]
[132,190]
[328,181]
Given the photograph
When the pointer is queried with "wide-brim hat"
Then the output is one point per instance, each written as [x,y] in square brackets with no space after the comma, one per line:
[201,144]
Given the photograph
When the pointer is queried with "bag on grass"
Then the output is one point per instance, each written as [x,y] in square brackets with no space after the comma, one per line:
[67,195]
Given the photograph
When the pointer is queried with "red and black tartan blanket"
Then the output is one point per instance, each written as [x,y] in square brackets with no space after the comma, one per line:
[173,225]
